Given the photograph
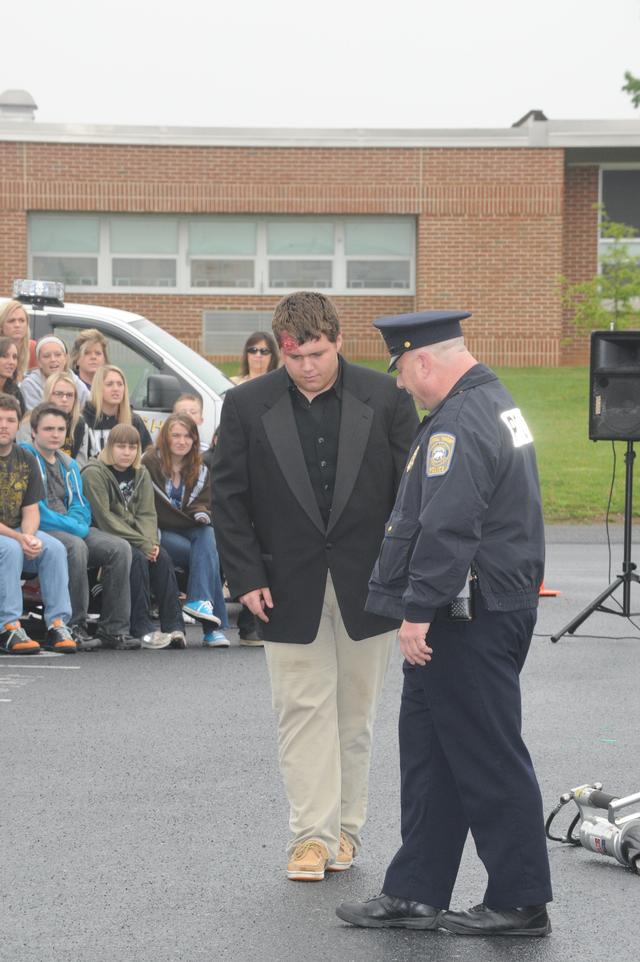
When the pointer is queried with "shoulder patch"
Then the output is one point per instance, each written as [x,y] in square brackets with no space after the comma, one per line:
[520,433]
[439,454]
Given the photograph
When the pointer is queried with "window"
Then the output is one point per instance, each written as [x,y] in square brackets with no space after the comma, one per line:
[137,241]
[222,252]
[65,248]
[72,271]
[620,197]
[300,252]
[230,254]
[379,252]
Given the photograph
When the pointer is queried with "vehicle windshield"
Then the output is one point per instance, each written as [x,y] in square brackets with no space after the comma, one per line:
[190,359]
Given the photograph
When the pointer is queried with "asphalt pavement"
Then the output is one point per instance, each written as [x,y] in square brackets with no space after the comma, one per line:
[143,817]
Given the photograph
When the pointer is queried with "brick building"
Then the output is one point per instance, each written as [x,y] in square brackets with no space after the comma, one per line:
[203,230]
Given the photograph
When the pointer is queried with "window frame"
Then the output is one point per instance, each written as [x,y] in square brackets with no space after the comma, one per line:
[261,287]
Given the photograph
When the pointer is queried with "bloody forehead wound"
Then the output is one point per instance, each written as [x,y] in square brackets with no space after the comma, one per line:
[288,343]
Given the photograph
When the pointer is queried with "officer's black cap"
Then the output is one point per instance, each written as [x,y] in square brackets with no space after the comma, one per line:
[406,332]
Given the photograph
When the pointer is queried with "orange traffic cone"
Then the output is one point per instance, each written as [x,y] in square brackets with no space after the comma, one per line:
[548,592]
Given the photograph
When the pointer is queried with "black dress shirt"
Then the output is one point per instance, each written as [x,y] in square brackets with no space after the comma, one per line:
[318,423]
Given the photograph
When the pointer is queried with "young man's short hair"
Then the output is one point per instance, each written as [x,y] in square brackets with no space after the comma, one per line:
[305,316]
[42,410]
[189,397]
[9,403]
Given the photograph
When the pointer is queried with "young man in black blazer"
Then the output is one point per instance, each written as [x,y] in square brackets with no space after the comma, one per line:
[304,478]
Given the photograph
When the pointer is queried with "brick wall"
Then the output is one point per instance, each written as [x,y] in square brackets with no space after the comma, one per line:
[580,256]
[491,224]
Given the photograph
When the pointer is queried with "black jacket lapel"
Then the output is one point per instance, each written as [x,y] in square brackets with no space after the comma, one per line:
[282,433]
[355,426]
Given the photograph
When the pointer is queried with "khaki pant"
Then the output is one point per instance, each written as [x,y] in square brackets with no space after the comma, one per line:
[325,697]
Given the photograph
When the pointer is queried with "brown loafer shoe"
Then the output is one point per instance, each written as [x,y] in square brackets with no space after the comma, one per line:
[345,856]
[308,861]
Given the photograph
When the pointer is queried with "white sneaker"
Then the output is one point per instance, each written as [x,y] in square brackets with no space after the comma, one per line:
[157,639]
[178,639]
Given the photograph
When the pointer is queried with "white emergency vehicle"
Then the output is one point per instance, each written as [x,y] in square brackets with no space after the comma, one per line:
[158,367]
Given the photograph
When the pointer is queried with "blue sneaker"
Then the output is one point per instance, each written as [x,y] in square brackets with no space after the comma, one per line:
[201,611]
[215,639]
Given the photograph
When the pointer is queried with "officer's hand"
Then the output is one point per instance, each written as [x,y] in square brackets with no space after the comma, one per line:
[413,645]
[256,601]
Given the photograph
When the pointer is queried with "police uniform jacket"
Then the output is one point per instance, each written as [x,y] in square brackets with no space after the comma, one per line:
[268,524]
[469,493]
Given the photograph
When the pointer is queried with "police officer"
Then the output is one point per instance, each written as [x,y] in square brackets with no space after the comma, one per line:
[468,504]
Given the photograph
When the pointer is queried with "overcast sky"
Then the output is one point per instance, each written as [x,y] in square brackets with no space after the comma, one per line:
[329,63]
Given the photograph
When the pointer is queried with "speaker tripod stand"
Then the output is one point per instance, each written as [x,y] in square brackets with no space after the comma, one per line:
[628,576]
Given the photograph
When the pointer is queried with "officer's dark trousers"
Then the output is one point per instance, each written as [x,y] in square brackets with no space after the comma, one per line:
[465,766]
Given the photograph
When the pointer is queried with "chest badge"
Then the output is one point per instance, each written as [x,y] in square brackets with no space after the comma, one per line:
[439,454]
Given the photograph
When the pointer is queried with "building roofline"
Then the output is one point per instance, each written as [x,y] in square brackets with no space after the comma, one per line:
[533,133]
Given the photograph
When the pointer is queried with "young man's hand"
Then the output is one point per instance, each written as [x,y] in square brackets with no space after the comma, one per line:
[31,545]
[257,601]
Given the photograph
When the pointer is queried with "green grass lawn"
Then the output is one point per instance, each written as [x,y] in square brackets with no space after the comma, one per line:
[575,473]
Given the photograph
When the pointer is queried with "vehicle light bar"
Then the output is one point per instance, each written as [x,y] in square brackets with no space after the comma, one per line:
[39,293]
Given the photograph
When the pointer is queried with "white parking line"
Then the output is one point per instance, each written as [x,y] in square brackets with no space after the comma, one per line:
[17,679]
[19,664]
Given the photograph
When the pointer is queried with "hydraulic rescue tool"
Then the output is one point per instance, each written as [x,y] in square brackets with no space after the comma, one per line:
[613,833]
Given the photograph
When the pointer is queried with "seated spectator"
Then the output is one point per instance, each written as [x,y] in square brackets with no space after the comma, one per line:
[183,504]
[51,357]
[65,514]
[14,323]
[108,405]
[23,547]
[89,352]
[120,493]
[8,368]
[191,404]
[61,391]
[259,356]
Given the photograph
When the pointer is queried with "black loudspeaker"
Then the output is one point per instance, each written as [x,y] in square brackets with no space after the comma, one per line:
[614,386]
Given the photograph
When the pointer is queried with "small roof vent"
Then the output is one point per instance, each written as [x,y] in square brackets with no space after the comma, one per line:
[17,105]
[531,117]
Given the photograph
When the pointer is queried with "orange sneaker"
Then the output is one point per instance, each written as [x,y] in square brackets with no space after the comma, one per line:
[59,638]
[345,856]
[15,641]
[308,861]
